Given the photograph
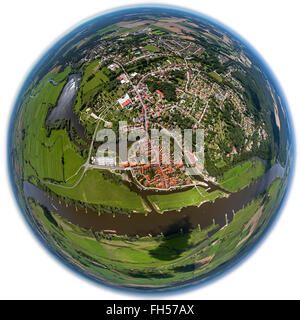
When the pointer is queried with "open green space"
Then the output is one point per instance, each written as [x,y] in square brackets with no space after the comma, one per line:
[242,175]
[97,80]
[159,30]
[176,201]
[176,82]
[228,242]
[170,259]
[72,161]
[119,259]
[216,77]
[94,76]
[107,29]
[95,188]
[151,48]
[49,154]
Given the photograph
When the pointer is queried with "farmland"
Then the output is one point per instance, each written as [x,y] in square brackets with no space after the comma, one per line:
[45,152]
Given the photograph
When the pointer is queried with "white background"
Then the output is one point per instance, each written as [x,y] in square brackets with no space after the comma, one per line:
[27,270]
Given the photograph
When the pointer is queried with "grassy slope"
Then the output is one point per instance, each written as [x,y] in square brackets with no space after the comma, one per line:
[99,77]
[72,162]
[118,255]
[93,188]
[176,201]
[242,175]
[89,88]
[228,238]
[177,259]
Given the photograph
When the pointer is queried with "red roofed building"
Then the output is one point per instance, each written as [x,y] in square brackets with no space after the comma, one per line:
[234,150]
[160,93]
[125,103]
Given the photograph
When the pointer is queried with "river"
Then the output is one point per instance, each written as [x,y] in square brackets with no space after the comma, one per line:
[138,223]
[155,223]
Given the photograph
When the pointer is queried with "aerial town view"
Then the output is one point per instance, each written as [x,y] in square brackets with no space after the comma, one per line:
[150,149]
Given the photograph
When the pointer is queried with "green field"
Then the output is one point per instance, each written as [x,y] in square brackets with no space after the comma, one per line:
[151,48]
[110,28]
[118,259]
[242,175]
[96,189]
[46,154]
[99,77]
[56,158]
[118,223]
[94,80]
[216,77]
[72,161]
[159,30]
[176,201]
[229,241]
[159,261]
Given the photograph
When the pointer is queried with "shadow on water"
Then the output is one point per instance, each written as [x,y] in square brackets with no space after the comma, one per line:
[174,244]
[49,216]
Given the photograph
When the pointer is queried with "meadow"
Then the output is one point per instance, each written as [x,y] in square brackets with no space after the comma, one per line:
[95,188]
[160,261]
[176,201]
[242,175]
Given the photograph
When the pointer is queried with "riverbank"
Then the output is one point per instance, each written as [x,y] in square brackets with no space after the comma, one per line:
[155,223]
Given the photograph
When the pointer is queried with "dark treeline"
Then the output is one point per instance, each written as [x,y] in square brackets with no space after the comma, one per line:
[167,88]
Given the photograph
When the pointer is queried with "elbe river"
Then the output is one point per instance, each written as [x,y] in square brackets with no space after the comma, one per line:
[138,223]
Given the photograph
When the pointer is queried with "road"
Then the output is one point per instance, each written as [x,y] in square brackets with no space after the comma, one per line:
[145,120]
[86,165]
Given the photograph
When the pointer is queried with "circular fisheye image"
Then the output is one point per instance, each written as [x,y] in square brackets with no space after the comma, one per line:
[150,148]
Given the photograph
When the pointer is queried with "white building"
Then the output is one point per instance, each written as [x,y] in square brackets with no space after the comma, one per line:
[124,101]
[104,161]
